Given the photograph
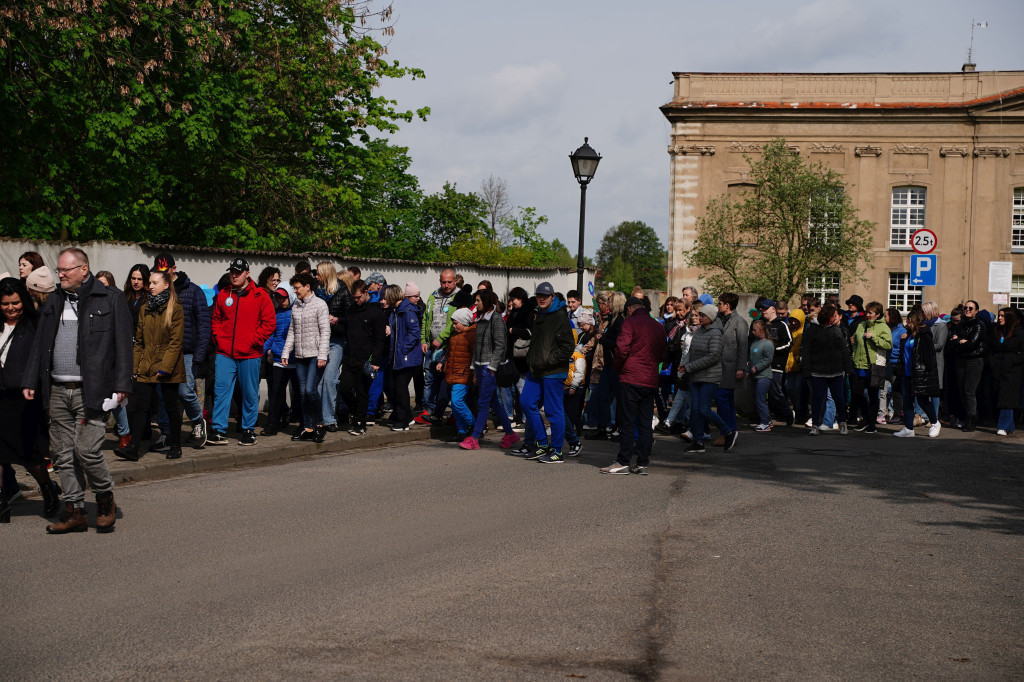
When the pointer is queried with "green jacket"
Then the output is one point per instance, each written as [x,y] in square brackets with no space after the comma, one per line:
[865,351]
[428,319]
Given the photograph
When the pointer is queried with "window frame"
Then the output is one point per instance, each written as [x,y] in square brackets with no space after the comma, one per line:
[1017,220]
[900,289]
[910,223]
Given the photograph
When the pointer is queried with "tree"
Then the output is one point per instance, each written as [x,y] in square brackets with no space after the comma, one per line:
[390,204]
[238,123]
[494,194]
[447,216]
[619,275]
[637,244]
[799,222]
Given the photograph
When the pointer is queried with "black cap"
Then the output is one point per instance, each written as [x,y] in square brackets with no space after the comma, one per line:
[163,262]
[239,264]
[855,300]
[766,304]
[633,300]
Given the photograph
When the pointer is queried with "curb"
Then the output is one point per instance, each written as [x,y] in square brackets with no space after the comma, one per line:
[152,466]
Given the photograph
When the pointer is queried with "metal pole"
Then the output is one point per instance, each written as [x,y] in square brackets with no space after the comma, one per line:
[579,254]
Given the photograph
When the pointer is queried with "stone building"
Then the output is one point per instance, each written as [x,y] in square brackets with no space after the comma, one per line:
[942,151]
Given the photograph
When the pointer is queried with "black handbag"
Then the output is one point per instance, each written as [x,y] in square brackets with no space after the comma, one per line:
[878,376]
[507,375]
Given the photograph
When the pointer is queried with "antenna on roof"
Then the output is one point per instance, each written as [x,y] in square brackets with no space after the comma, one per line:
[970,50]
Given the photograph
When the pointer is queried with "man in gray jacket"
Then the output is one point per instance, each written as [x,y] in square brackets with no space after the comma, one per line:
[734,359]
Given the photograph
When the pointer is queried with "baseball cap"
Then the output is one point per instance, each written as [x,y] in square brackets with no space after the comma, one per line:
[545,289]
[163,261]
[767,303]
[239,264]
[633,300]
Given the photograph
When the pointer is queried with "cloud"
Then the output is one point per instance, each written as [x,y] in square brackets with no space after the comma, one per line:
[510,98]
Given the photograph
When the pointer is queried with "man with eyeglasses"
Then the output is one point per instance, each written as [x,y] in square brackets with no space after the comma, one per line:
[82,356]
[436,328]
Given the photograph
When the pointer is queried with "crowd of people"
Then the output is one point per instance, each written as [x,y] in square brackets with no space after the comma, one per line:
[341,352]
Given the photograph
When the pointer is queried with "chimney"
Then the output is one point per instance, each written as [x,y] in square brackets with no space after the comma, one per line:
[968,67]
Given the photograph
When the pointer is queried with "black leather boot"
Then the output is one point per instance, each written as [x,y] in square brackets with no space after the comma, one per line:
[51,498]
[970,423]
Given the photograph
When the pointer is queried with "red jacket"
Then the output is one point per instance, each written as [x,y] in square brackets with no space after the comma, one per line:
[640,348]
[243,322]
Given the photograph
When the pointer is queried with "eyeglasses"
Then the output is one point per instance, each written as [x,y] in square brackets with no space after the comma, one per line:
[969,307]
[64,271]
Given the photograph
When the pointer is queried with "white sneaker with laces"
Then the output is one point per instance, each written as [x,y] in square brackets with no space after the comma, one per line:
[933,430]
[1001,432]
[904,433]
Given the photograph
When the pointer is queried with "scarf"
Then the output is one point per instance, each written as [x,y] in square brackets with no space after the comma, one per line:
[157,302]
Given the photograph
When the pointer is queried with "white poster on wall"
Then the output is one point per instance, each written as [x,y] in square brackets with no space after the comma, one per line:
[1000,276]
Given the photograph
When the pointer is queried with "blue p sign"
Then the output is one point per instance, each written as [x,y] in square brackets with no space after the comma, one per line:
[923,270]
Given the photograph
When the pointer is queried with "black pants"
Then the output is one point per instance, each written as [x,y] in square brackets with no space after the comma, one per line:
[402,414]
[634,417]
[355,390]
[277,386]
[868,406]
[968,376]
[142,404]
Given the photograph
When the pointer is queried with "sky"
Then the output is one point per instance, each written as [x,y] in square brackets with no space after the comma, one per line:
[514,87]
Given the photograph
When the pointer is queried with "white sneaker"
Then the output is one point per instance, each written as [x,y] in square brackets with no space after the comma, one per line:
[933,430]
[904,433]
[809,423]
[826,427]
[687,436]
[1000,432]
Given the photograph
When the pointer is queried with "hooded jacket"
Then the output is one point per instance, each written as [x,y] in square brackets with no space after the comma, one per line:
[640,349]
[243,321]
[458,367]
[159,349]
[197,317]
[552,343]
[793,362]
[867,351]
[405,336]
[705,362]
[734,348]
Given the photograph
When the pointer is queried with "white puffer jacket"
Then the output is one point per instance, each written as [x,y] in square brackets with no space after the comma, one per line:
[310,332]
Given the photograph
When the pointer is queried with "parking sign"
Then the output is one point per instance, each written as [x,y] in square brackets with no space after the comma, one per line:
[923,270]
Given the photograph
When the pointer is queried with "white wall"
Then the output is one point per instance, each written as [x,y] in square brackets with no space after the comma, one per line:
[205,266]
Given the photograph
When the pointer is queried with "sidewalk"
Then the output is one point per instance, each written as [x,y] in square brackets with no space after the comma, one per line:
[153,466]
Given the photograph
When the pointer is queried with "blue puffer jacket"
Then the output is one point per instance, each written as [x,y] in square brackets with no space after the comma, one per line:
[405,336]
[197,318]
[275,344]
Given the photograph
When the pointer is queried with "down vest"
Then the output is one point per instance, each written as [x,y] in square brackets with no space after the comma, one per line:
[310,331]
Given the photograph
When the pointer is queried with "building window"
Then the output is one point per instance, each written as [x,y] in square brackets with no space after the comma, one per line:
[824,229]
[1017,236]
[907,215]
[822,284]
[1017,292]
[903,295]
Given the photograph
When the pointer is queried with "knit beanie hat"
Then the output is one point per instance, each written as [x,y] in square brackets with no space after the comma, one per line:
[710,310]
[584,317]
[411,289]
[40,280]
[463,316]
[463,299]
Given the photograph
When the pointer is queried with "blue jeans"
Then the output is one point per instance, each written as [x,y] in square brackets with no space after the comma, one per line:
[821,389]
[907,386]
[761,399]
[487,383]
[431,381]
[329,384]
[121,418]
[680,412]
[1006,422]
[463,415]
[309,383]
[550,390]
[701,393]
[247,372]
[187,392]
[377,390]
[724,398]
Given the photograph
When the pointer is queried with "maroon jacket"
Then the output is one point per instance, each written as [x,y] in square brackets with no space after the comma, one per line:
[640,349]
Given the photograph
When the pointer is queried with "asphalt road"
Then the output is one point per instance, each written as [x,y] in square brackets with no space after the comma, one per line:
[792,557]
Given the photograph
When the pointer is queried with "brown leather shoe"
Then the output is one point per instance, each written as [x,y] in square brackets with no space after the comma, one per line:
[106,512]
[71,520]
[720,441]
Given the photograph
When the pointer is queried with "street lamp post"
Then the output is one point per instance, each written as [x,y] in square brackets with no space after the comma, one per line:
[584,166]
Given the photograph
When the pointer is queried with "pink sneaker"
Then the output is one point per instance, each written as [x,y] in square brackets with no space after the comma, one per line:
[509,440]
[470,443]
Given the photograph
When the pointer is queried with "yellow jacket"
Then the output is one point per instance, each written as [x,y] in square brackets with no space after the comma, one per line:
[793,363]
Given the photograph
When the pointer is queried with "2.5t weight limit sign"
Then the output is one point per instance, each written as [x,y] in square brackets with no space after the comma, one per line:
[923,241]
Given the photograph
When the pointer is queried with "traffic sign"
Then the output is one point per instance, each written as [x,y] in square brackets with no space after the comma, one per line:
[923,270]
[924,241]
